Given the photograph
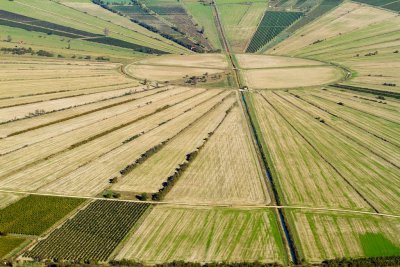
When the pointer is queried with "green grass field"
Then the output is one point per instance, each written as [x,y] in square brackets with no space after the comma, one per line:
[59,45]
[33,215]
[240,20]
[335,235]
[64,15]
[206,234]
[8,244]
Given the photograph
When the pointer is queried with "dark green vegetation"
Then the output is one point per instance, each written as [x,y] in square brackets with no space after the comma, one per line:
[367,90]
[376,245]
[34,214]
[363,262]
[273,23]
[388,4]
[30,24]
[8,244]
[93,233]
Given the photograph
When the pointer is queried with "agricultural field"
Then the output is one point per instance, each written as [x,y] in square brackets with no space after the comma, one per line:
[201,14]
[59,14]
[8,198]
[170,68]
[240,20]
[388,4]
[8,244]
[275,72]
[368,52]
[361,187]
[212,179]
[336,235]
[341,20]
[273,23]
[149,176]
[199,133]
[93,233]
[205,234]
[32,215]
[167,18]
[174,12]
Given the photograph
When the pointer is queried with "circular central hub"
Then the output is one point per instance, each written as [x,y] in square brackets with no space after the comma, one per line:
[257,71]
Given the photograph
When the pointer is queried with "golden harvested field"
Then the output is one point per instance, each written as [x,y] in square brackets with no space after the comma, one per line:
[57,79]
[328,235]
[124,95]
[251,61]
[345,18]
[166,73]
[213,61]
[93,123]
[176,67]
[149,175]
[104,146]
[226,171]
[291,77]
[205,235]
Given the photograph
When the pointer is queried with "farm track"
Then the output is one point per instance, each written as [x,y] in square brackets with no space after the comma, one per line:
[343,133]
[188,204]
[322,156]
[346,120]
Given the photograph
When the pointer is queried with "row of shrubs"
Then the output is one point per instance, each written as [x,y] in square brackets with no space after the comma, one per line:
[340,262]
[23,51]
[368,90]
[42,53]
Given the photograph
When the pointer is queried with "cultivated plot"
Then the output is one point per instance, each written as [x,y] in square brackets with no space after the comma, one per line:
[93,233]
[226,170]
[8,244]
[366,177]
[32,215]
[148,176]
[291,77]
[328,235]
[205,235]
[345,18]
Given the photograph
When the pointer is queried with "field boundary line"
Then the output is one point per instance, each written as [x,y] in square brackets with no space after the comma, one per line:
[208,205]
